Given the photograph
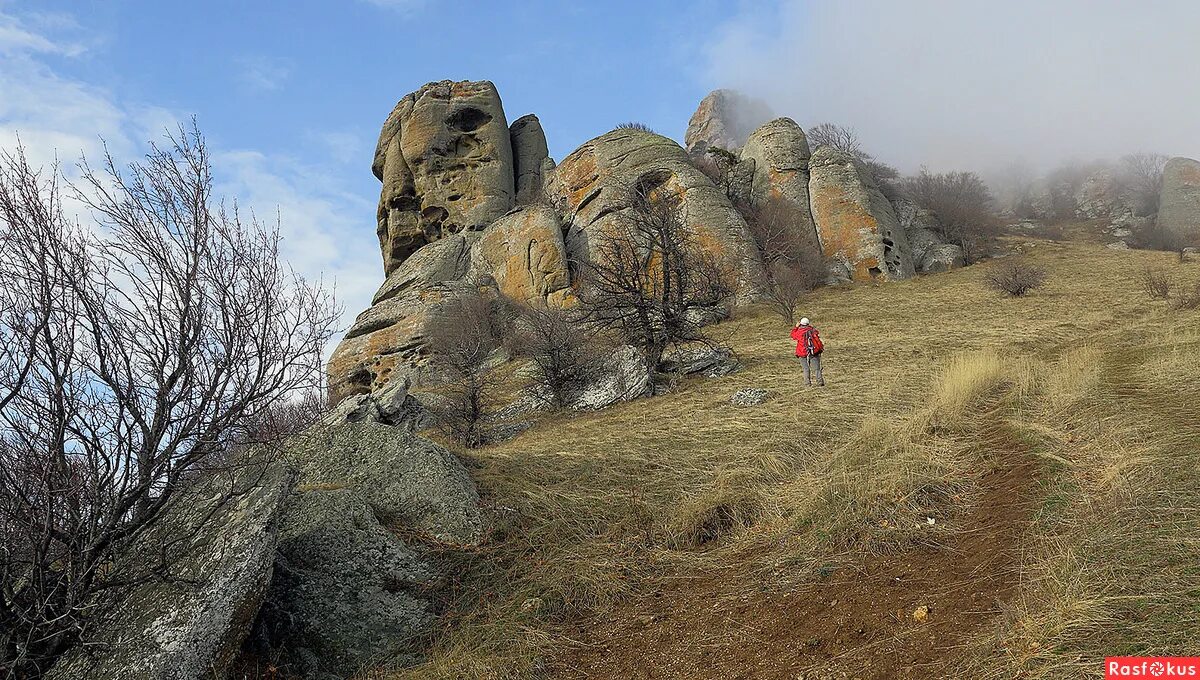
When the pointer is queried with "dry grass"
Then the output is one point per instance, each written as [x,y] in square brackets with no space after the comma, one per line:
[593,507]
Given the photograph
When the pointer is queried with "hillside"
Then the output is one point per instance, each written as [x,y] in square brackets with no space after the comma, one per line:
[1051,441]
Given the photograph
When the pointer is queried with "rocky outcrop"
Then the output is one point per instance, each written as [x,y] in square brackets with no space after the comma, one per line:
[857,225]
[348,590]
[929,253]
[1099,195]
[388,340]
[525,254]
[446,162]
[531,157]
[623,376]
[592,185]
[779,151]
[1179,200]
[188,620]
[725,118]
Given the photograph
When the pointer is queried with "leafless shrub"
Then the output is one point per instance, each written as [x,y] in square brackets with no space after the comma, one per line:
[1140,174]
[791,255]
[1154,237]
[462,339]
[1188,299]
[729,174]
[133,356]
[1155,283]
[837,136]
[1015,277]
[962,203]
[565,356]
[650,281]
[634,125]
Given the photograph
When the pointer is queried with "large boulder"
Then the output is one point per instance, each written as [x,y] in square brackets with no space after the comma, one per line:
[591,186]
[446,162]
[1179,200]
[930,253]
[525,254]
[187,616]
[1099,195]
[780,154]
[857,225]
[531,157]
[388,340]
[725,118]
[356,581]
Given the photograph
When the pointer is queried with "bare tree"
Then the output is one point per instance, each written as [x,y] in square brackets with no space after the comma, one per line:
[734,178]
[463,337]
[649,279]
[1141,175]
[564,354]
[837,136]
[963,206]
[132,355]
[791,255]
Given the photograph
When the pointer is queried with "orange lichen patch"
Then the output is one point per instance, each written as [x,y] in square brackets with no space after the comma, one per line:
[1188,173]
[840,223]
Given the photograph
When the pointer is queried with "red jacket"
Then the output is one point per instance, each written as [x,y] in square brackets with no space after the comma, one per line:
[808,341]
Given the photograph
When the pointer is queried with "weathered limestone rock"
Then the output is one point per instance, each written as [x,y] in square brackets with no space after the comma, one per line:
[855,221]
[780,153]
[929,253]
[592,184]
[530,156]
[1179,200]
[749,396]
[1099,196]
[388,340]
[622,377]
[725,118]
[525,253]
[191,624]
[391,405]
[445,159]
[348,590]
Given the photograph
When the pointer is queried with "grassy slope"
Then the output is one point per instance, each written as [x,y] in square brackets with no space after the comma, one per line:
[1100,381]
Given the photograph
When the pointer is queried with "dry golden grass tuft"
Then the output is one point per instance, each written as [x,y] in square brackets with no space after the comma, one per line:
[1101,382]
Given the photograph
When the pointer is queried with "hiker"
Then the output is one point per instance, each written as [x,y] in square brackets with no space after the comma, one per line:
[808,351]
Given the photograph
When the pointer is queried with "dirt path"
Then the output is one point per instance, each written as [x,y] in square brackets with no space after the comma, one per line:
[857,624]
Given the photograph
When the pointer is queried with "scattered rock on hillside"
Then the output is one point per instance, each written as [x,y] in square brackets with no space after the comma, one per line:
[349,590]
[446,162]
[530,157]
[725,118]
[623,376]
[391,405]
[857,225]
[591,184]
[780,153]
[188,621]
[1179,200]
[712,362]
[749,396]
[929,253]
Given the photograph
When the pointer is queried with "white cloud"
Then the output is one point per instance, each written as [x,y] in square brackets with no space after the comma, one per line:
[328,233]
[262,73]
[972,83]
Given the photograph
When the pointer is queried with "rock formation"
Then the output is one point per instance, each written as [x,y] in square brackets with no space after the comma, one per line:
[929,253]
[525,254]
[592,184]
[348,590]
[188,621]
[1099,195]
[857,225]
[725,118]
[1179,200]
[780,154]
[531,158]
[446,162]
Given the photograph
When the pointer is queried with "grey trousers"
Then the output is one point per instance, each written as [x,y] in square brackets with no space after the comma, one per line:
[812,369]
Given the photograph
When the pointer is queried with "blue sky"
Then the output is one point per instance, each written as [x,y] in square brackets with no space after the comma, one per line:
[291,94]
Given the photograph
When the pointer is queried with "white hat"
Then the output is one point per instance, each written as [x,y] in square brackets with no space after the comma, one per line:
[804,321]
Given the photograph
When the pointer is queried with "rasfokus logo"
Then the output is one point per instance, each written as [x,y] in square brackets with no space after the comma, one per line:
[1152,667]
